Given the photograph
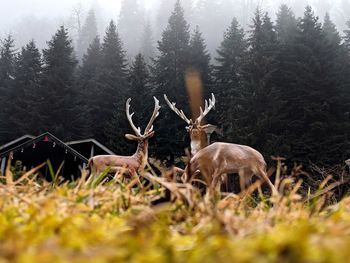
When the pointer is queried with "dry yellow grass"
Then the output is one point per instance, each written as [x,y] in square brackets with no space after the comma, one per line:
[92,221]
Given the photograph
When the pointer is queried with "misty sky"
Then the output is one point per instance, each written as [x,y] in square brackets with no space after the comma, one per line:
[38,19]
[13,10]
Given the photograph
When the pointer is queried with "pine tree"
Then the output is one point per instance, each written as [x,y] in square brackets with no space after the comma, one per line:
[346,75]
[91,60]
[7,89]
[112,92]
[130,24]
[147,43]
[164,11]
[338,79]
[140,89]
[169,73]
[28,79]
[230,61]
[87,34]
[200,58]
[89,74]
[208,11]
[56,105]
[260,92]
[347,37]
[286,25]
[314,109]
[284,80]
[323,7]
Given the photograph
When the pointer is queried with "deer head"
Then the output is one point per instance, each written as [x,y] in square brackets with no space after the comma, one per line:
[199,133]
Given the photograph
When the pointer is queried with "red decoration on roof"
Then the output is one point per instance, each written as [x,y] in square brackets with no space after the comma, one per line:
[46,138]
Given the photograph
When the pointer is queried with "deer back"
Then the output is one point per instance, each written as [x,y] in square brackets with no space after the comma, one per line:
[227,157]
[102,162]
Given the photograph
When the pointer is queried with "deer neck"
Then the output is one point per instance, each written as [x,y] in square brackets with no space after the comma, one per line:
[198,142]
[142,153]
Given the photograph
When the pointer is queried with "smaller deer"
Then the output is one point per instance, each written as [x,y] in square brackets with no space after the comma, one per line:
[199,133]
[220,158]
[138,160]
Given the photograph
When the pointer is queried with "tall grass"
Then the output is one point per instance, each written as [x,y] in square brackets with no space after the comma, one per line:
[91,220]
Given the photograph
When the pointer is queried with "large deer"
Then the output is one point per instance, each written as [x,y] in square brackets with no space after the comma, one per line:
[138,160]
[220,158]
[199,134]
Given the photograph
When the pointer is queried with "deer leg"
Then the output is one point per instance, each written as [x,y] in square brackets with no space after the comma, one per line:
[176,171]
[224,181]
[262,174]
[212,186]
[215,180]
[135,178]
[245,177]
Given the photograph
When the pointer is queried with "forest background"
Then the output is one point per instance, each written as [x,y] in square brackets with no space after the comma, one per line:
[282,81]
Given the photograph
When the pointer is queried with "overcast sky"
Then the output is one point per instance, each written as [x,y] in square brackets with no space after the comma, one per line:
[39,19]
[12,10]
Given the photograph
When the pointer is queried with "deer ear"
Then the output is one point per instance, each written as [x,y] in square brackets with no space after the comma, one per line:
[208,128]
[149,135]
[131,137]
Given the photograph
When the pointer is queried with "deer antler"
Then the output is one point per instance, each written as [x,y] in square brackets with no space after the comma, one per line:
[155,114]
[180,113]
[207,109]
[129,116]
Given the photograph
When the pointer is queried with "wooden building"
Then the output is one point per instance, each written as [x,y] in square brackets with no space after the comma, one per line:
[33,151]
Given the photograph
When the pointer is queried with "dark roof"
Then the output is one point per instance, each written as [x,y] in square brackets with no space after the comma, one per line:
[43,137]
[45,147]
[91,141]
[16,142]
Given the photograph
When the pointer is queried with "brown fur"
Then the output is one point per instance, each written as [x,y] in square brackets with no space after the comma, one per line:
[226,158]
[133,163]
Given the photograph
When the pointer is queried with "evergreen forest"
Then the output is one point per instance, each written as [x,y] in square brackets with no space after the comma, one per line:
[282,86]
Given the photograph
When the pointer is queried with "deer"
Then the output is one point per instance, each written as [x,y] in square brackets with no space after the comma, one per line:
[199,134]
[136,162]
[221,158]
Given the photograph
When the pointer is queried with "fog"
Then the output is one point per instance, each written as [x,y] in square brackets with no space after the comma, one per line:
[39,19]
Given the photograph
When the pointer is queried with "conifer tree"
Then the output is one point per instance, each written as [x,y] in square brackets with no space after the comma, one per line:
[139,82]
[330,31]
[200,58]
[206,12]
[88,84]
[57,102]
[28,79]
[347,37]
[164,11]
[165,8]
[7,89]
[335,60]
[286,25]
[169,74]
[230,61]
[284,80]
[147,43]
[91,60]
[260,96]
[112,92]
[315,113]
[87,34]
[346,46]
[131,22]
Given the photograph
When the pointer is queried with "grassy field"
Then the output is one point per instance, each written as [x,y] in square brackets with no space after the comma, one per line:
[92,221]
